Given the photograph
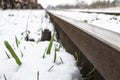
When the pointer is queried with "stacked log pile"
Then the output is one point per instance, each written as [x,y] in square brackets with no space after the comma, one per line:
[20,4]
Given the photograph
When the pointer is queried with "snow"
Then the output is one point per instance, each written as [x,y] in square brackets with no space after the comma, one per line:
[108,10]
[109,22]
[15,22]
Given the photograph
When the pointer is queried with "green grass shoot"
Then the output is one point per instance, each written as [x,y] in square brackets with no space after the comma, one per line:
[8,46]
[44,53]
[17,41]
[77,59]
[50,44]
[21,53]
[91,72]
[55,55]
[89,75]
[58,49]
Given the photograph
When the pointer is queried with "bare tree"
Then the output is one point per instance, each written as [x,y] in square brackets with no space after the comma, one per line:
[116,2]
[0,3]
[101,4]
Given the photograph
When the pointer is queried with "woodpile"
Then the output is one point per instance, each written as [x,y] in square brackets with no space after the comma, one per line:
[20,4]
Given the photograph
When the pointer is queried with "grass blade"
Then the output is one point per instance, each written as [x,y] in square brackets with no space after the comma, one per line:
[91,72]
[17,41]
[55,56]
[50,44]
[44,53]
[77,59]
[89,75]
[8,46]
[21,53]
[58,49]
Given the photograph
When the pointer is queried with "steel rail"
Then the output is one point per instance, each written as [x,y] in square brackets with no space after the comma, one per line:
[100,12]
[92,11]
[100,46]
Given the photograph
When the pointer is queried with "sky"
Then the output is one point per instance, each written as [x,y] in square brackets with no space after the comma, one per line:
[45,3]
[56,2]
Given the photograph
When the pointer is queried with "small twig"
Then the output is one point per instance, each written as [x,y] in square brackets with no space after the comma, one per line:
[5,77]
[7,55]
[50,68]
[61,59]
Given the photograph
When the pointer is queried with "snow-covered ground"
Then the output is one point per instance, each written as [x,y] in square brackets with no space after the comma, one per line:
[110,22]
[113,10]
[34,66]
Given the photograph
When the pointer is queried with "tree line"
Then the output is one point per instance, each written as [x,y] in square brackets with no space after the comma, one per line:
[83,5]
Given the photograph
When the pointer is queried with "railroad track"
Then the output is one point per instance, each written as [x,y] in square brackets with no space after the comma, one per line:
[93,11]
[96,47]
[102,12]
